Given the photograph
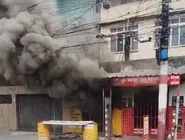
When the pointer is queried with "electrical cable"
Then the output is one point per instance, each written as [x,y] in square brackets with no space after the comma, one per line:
[78,47]
[145,14]
[66,17]
[130,13]
[52,6]
[143,28]
[72,21]
[60,12]
[139,35]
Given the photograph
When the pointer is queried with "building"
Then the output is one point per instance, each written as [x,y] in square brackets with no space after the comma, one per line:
[141,18]
[75,25]
[21,109]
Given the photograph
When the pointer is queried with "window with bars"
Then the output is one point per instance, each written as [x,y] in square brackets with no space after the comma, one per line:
[177,33]
[117,43]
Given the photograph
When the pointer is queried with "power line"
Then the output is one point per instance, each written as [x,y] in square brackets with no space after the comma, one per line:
[98,20]
[34,5]
[66,17]
[69,10]
[79,46]
[131,13]
[92,23]
[140,15]
[72,21]
[52,6]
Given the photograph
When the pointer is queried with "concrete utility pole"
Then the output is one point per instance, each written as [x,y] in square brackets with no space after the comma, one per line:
[163,85]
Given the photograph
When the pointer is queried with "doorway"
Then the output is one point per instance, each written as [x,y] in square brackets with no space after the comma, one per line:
[146,103]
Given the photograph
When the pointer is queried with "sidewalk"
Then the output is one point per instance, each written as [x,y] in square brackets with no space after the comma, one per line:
[5,135]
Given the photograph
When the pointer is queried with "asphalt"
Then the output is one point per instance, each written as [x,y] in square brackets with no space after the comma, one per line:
[5,135]
[19,135]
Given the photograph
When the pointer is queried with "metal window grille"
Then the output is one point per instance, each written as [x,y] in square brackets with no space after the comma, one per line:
[146,104]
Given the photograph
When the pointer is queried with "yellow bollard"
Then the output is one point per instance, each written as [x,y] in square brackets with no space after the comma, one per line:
[90,132]
[44,132]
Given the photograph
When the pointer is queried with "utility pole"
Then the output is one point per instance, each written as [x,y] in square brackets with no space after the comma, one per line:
[163,85]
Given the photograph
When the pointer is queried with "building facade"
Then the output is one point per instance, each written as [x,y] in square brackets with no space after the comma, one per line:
[22,110]
[75,25]
[141,20]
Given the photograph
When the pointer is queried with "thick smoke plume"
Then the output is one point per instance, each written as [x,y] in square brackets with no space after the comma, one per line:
[30,57]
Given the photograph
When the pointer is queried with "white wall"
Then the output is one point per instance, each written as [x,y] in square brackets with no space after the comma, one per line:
[142,8]
[146,27]
[145,50]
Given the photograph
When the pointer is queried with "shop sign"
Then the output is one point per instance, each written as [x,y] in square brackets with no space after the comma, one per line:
[145,127]
[144,81]
[75,115]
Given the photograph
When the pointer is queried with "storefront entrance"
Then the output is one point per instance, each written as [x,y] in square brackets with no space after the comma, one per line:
[134,104]
[146,103]
[133,98]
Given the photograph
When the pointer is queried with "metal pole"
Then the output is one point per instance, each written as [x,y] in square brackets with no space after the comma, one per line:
[177,112]
[110,113]
[163,85]
[107,119]
[103,101]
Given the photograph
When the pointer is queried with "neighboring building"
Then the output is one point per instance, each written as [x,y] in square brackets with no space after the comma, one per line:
[75,24]
[21,110]
[142,18]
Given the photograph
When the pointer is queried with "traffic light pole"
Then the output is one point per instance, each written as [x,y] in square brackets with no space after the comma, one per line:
[163,85]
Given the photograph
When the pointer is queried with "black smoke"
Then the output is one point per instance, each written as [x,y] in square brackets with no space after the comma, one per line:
[29,56]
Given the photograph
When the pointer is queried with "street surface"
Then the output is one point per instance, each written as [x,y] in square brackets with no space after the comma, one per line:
[19,135]
[5,135]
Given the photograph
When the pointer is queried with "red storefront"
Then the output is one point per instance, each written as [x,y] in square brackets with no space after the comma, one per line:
[138,96]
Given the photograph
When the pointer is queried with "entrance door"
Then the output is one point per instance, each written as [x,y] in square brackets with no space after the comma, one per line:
[146,103]
[32,109]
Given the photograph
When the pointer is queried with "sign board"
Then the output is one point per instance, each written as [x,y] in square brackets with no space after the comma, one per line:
[144,81]
[145,127]
[75,115]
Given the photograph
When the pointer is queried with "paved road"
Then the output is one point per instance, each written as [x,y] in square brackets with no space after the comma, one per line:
[18,135]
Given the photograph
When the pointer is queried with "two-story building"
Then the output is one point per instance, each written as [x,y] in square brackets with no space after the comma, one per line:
[141,71]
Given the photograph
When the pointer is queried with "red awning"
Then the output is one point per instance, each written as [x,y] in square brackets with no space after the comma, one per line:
[143,81]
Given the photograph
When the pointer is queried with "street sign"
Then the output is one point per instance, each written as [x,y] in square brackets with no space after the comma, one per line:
[145,127]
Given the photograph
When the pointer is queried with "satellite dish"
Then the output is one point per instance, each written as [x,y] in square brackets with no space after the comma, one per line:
[106,5]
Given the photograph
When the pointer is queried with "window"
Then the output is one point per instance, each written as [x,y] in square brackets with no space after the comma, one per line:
[177,37]
[177,33]
[117,43]
[5,99]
